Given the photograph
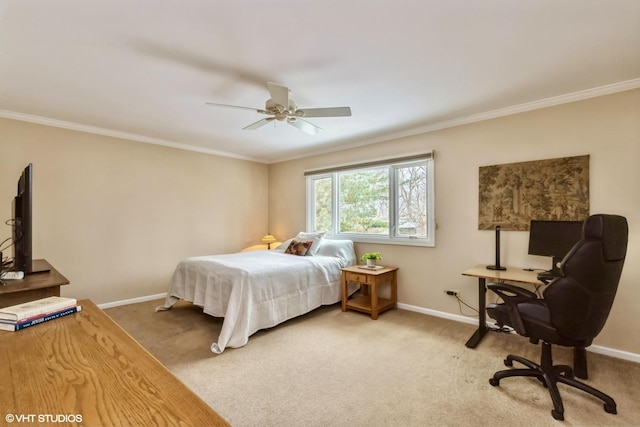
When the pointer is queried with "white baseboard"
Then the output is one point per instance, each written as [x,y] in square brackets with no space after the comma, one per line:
[619,354]
[132,301]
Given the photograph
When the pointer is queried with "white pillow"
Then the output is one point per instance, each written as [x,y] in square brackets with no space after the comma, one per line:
[283,246]
[316,237]
[342,249]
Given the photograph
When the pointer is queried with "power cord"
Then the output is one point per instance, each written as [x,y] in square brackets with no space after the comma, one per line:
[462,302]
[5,266]
[11,223]
[537,290]
[4,248]
[502,329]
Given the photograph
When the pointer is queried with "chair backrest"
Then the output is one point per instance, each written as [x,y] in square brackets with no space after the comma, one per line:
[580,300]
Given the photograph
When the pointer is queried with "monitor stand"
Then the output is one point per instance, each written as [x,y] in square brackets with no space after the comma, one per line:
[554,272]
[555,269]
[40,266]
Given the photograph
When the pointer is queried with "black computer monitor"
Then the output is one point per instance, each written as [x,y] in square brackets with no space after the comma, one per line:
[553,239]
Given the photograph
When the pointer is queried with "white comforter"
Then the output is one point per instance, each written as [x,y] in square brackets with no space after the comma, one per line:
[255,290]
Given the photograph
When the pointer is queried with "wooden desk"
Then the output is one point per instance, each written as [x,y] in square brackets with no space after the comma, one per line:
[511,274]
[517,275]
[84,365]
[33,286]
[369,280]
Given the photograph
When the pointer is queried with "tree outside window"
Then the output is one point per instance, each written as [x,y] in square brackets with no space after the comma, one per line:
[389,203]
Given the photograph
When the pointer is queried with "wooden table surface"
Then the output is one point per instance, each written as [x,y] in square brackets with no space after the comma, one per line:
[511,274]
[84,365]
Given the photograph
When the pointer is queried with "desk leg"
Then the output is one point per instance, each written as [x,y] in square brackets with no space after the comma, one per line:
[482,315]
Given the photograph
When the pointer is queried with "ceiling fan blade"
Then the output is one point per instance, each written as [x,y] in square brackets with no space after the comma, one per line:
[304,126]
[326,112]
[279,94]
[215,104]
[259,123]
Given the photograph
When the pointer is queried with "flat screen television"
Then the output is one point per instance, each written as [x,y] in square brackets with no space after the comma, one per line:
[22,232]
[553,239]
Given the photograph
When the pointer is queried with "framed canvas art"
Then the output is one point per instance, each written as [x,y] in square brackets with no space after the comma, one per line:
[511,195]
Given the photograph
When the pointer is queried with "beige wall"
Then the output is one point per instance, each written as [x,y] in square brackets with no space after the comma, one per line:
[116,216]
[607,128]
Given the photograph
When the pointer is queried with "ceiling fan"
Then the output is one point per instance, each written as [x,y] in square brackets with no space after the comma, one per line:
[282,108]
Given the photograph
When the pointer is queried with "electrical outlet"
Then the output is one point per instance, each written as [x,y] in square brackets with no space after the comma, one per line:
[452,292]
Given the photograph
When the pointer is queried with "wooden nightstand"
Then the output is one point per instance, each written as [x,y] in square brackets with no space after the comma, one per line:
[369,279]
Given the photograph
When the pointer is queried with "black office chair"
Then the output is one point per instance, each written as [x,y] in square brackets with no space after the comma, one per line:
[573,310]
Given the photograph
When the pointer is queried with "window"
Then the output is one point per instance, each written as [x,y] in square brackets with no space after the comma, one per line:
[385,202]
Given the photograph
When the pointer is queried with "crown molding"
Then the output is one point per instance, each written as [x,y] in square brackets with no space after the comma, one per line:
[117,134]
[536,105]
[493,114]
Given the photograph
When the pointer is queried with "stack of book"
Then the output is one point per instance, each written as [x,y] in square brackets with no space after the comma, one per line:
[31,313]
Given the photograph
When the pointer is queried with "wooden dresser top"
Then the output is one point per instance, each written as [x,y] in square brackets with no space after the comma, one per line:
[85,365]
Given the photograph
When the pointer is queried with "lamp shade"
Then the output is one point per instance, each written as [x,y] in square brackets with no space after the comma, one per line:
[268,239]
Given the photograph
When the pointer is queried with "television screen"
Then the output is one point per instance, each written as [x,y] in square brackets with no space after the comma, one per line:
[22,222]
[553,238]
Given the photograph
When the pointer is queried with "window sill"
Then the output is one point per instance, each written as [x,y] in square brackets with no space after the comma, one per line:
[385,241]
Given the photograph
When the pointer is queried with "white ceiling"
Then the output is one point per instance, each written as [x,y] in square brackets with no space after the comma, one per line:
[144,69]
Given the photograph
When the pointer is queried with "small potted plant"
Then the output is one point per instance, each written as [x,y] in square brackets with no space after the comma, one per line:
[370,258]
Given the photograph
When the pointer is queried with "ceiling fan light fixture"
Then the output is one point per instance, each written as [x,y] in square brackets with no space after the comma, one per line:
[281,107]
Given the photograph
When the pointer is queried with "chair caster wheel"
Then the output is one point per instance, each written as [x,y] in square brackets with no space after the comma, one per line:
[557,415]
[508,362]
[494,382]
[610,409]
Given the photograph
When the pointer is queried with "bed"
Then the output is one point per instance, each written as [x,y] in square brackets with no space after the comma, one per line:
[260,289]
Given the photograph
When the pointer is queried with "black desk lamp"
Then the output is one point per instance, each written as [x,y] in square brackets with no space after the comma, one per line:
[497,265]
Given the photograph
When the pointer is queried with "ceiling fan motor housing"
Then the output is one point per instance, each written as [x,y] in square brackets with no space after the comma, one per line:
[280,112]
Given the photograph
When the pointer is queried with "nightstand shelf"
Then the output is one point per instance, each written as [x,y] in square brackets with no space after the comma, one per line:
[363,303]
[369,302]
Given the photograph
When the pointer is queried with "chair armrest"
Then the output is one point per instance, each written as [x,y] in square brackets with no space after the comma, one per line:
[516,291]
[512,296]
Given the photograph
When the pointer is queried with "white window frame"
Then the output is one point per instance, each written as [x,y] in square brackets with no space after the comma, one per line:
[392,237]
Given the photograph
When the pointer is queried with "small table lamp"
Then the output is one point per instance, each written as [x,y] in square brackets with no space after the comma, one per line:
[268,240]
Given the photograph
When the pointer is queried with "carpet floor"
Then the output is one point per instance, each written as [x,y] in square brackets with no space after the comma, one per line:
[330,368]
